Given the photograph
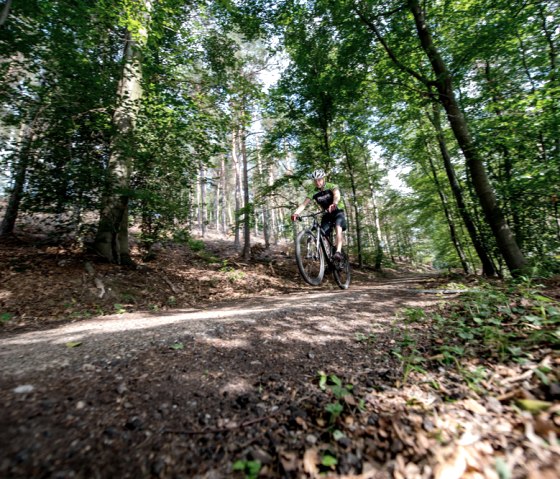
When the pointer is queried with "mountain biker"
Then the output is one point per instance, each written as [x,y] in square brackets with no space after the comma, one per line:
[327,196]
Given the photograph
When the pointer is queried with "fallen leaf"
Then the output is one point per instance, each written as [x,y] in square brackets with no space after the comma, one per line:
[452,468]
[474,406]
[310,461]
[533,405]
[73,344]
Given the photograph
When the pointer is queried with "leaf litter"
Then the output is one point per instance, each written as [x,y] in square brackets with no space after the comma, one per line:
[294,397]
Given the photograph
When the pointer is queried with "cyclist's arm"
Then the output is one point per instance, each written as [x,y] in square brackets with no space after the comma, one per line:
[301,207]
[336,196]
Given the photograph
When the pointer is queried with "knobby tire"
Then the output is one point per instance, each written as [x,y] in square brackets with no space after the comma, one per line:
[342,272]
[309,259]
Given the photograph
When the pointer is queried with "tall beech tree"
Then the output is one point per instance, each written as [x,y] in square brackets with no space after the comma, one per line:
[111,240]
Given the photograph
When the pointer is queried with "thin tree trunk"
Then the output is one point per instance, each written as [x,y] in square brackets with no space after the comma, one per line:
[246,202]
[266,204]
[356,212]
[448,216]
[202,200]
[507,245]
[19,177]
[488,268]
[224,196]
[512,205]
[111,240]
[5,12]
[234,150]
[378,237]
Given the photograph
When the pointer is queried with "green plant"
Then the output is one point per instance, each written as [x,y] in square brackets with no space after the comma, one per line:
[5,317]
[119,308]
[411,362]
[334,385]
[362,338]
[413,315]
[249,468]
[195,245]
[181,235]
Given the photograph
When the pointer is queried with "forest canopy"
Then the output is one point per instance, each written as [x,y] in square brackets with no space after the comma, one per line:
[160,115]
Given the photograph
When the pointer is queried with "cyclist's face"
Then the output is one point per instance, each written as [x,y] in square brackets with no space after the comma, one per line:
[320,182]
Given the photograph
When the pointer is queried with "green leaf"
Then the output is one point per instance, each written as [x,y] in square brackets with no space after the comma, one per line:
[329,461]
[177,345]
[5,317]
[73,344]
[251,468]
[119,308]
[502,469]
[533,405]
[322,380]
[338,435]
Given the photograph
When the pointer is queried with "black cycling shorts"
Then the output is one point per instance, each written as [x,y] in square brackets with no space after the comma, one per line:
[337,217]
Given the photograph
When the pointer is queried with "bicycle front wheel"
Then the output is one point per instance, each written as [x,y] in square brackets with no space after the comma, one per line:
[309,258]
[343,272]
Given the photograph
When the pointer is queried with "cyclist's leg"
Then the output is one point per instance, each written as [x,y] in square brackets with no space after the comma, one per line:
[340,226]
[326,223]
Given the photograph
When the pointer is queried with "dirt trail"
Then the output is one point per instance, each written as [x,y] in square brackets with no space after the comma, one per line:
[341,315]
[152,384]
[316,383]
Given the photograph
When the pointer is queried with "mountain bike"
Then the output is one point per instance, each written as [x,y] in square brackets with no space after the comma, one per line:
[315,249]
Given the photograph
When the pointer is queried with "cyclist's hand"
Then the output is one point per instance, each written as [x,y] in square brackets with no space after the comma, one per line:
[294,217]
[331,208]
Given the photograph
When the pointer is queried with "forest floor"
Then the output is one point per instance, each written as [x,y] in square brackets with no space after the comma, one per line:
[198,364]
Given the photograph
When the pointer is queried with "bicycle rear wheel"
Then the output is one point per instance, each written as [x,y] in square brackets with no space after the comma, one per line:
[309,258]
[343,272]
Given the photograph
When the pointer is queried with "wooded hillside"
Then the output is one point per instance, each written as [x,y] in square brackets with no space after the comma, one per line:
[162,115]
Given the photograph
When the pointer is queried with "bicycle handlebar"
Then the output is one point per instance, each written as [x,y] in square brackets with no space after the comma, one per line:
[311,215]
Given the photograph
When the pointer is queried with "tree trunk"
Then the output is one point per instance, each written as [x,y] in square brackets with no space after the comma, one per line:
[5,12]
[235,158]
[266,204]
[202,200]
[378,237]
[450,223]
[224,195]
[488,268]
[505,240]
[246,200]
[19,176]
[111,240]
[356,212]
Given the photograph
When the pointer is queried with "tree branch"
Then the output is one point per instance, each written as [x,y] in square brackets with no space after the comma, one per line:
[389,51]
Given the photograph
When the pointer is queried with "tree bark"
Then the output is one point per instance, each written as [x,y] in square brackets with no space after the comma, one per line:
[356,212]
[378,237]
[488,268]
[505,240]
[237,169]
[111,240]
[246,199]
[19,176]
[202,200]
[448,216]
[5,12]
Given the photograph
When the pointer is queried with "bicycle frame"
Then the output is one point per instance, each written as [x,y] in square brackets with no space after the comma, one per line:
[319,249]
[326,245]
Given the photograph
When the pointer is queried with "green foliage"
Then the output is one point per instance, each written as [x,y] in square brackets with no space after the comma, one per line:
[196,245]
[505,324]
[249,468]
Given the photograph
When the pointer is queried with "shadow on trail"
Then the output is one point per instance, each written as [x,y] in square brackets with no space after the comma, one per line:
[175,389]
